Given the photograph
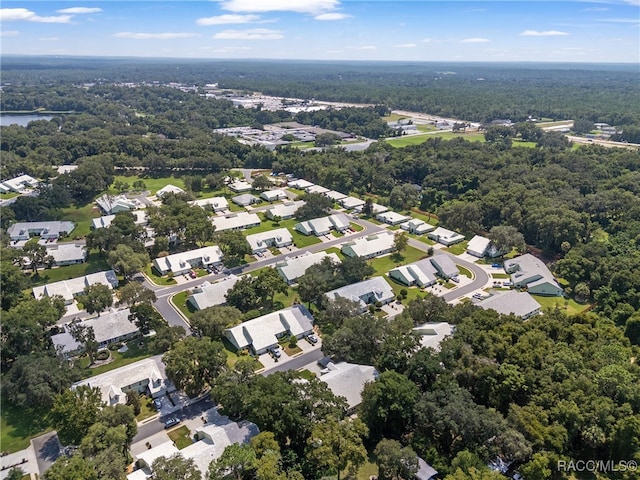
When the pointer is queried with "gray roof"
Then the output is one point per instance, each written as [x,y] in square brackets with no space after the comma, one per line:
[67,252]
[527,269]
[445,265]
[365,293]
[421,273]
[211,294]
[233,221]
[52,228]
[377,244]
[75,286]
[245,199]
[348,380]
[294,268]
[520,304]
[425,471]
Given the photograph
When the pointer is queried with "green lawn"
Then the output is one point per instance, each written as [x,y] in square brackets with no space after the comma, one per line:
[151,184]
[383,264]
[132,355]
[407,140]
[465,272]
[423,239]
[412,292]
[157,279]
[521,143]
[8,195]
[425,216]
[180,301]
[426,127]
[500,275]
[307,375]
[180,436]
[458,248]
[82,218]
[335,250]
[147,408]
[356,227]
[299,239]
[298,192]
[393,117]
[95,263]
[570,306]
[19,424]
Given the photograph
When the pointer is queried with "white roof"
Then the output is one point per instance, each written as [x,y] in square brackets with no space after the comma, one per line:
[322,225]
[235,221]
[179,261]
[445,234]
[106,220]
[293,268]
[365,293]
[367,246]
[106,327]
[334,195]
[218,203]
[166,449]
[270,195]
[168,189]
[351,202]
[262,332]
[512,302]
[316,189]
[478,244]
[421,272]
[75,286]
[348,380]
[445,265]
[392,217]
[432,334]
[210,294]
[109,203]
[527,266]
[149,368]
[51,228]
[245,199]
[258,241]
[376,208]
[300,184]
[240,186]
[19,183]
[66,252]
[286,209]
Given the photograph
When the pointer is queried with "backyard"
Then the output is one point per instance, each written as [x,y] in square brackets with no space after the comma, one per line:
[95,263]
[19,424]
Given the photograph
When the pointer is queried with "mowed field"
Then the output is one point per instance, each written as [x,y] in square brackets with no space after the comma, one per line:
[418,139]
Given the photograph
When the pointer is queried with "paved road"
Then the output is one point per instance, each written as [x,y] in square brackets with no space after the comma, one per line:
[297,362]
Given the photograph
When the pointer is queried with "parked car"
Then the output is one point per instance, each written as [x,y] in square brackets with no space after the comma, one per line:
[275,352]
[158,403]
[312,339]
[496,265]
[192,274]
[170,422]
[455,279]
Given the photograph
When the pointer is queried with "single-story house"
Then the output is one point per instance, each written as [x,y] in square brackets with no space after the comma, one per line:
[316,189]
[445,266]
[285,210]
[300,184]
[245,200]
[417,226]
[141,218]
[432,334]
[347,380]
[217,204]
[445,237]
[67,253]
[531,272]
[351,202]
[145,377]
[19,184]
[44,230]
[109,328]
[240,186]
[146,458]
[266,331]
[111,204]
[293,268]
[260,242]
[323,225]
[512,302]
[334,195]
[211,294]
[235,221]
[392,218]
[365,293]
[481,247]
[69,289]
[182,262]
[376,209]
[273,195]
[425,471]
[168,189]
[421,273]
[371,246]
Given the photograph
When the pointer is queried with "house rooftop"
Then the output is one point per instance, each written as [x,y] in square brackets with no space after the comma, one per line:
[67,252]
[365,293]
[432,334]
[520,304]
[351,202]
[106,220]
[245,199]
[293,268]
[218,203]
[261,240]
[75,286]
[347,380]
[211,294]
[285,210]
[377,244]
[169,189]
[334,195]
[235,221]
[49,229]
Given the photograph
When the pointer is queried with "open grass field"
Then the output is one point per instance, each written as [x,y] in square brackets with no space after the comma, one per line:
[82,218]
[8,195]
[299,239]
[393,117]
[383,264]
[18,425]
[147,409]
[422,127]
[158,279]
[425,216]
[570,306]
[150,183]
[520,143]
[458,248]
[180,301]
[400,142]
[95,263]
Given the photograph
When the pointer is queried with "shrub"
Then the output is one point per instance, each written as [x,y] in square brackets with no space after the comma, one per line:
[102,355]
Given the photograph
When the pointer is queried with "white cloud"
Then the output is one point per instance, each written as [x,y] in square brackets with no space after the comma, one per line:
[9,33]
[475,40]
[24,15]
[80,10]
[313,7]
[251,34]
[546,33]
[332,16]
[227,19]
[154,36]
[363,47]
[406,45]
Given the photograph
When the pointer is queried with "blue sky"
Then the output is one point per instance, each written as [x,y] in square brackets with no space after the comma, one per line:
[413,30]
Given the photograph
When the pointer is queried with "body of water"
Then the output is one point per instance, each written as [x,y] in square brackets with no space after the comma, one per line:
[22,119]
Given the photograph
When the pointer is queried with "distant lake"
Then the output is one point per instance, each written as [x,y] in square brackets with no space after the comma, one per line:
[22,120]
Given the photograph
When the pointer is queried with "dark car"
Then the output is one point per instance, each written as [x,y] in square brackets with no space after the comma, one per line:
[170,422]
[158,403]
